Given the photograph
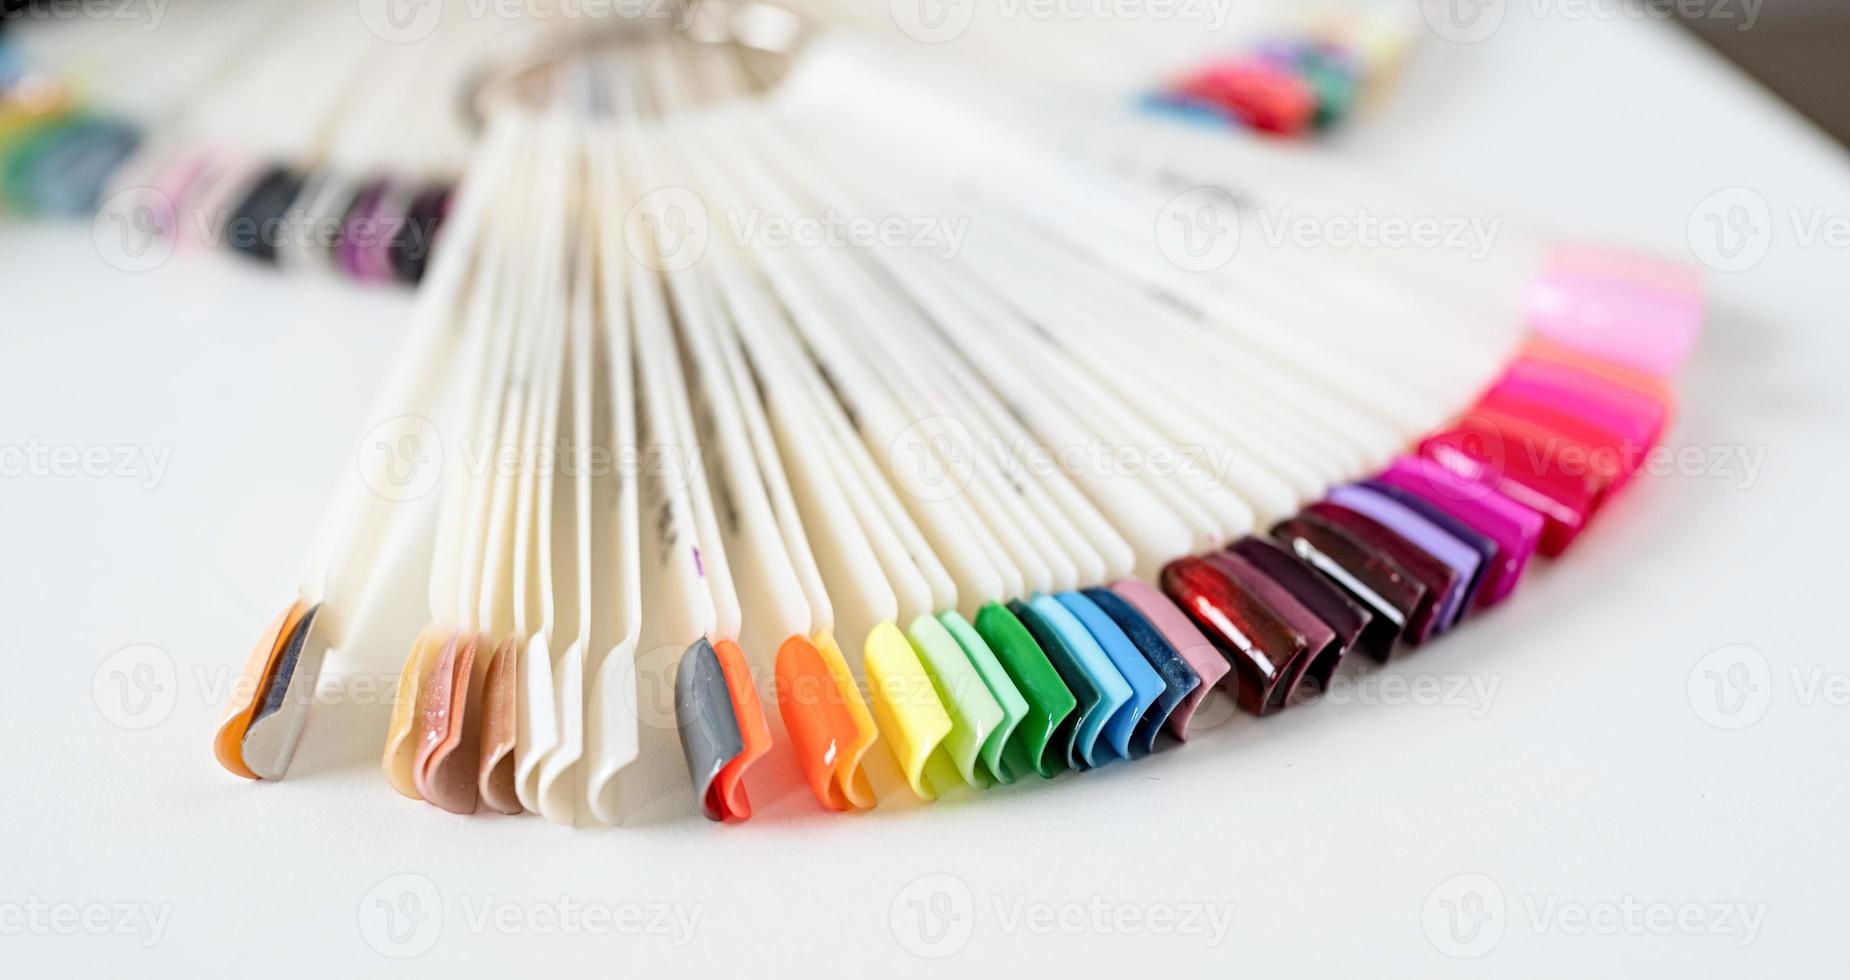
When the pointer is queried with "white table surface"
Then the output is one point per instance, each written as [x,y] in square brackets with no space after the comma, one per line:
[1590,781]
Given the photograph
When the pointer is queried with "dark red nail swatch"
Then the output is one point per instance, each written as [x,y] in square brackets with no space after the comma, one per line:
[1261,645]
[1355,627]
[1390,592]
[1320,649]
[1441,580]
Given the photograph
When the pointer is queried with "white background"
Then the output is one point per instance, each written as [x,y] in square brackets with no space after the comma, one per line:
[1591,777]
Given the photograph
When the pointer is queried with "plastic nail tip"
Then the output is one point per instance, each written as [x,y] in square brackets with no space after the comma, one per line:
[1345,617]
[1145,683]
[974,713]
[709,729]
[1599,396]
[495,777]
[1612,450]
[754,732]
[411,246]
[1423,534]
[254,221]
[1088,716]
[1516,529]
[276,726]
[995,678]
[401,740]
[1076,651]
[911,718]
[1040,742]
[1665,275]
[1321,650]
[248,692]
[1391,593]
[1604,453]
[1617,314]
[1188,109]
[449,750]
[1195,649]
[70,173]
[815,711]
[1615,408]
[815,717]
[1179,680]
[19,161]
[848,773]
[1547,351]
[1259,95]
[361,213]
[1481,544]
[1265,651]
[1444,586]
[1519,461]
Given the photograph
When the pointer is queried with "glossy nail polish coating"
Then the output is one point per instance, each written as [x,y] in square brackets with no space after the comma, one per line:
[1444,586]
[1080,661]
[1144,683]
[1423,534]
[1008,699]
[1481,544]
[1516,529]
[1515,459]
[1039,744]
[1345,617]
[1178,678]
[1605,456]
[1321,652]
[973,711]
[825,732]
[1265,651]
[1637,401]
[709,731]
[1195,649]
[754,731]
[1650,385]
[1635,420]
[1390,592]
